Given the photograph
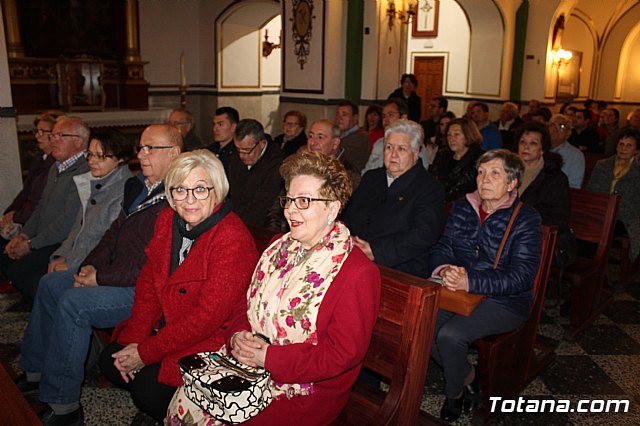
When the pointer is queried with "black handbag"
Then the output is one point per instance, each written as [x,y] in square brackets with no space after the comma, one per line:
[566,251]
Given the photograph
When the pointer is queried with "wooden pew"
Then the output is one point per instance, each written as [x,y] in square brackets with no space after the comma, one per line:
[593,217]
[16,411]
[628,269]
[508,362]
[590,161]
[399,351]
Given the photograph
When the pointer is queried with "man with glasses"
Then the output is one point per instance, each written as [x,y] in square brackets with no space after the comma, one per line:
[293,138]
[225,121]
[572,157]
[50,223]
[437,108]
[184,121]
[101,294]
[253,173]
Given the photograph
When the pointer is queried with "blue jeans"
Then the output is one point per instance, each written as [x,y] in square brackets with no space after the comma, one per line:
[56,341]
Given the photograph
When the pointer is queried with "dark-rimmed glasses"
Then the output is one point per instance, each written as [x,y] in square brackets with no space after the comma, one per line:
[301,203]
[99,157]
[246,151]
[180,193]
[147,149]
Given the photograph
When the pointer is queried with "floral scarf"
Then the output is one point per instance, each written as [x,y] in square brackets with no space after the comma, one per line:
[287,289]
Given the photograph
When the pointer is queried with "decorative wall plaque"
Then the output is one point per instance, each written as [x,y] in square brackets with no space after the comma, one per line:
[302,25]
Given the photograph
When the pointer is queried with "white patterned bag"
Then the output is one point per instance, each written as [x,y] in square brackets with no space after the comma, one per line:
[227,389]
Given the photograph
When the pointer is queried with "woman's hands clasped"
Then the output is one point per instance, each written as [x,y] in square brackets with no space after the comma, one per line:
[455,278]
[249,349]
[128,362]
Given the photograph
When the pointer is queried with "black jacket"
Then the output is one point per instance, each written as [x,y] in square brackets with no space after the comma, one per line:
[401,222]
[458,177]
[549,193]
[291,146]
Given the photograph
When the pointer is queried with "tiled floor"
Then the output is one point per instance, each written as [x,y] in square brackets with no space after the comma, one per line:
[602,363]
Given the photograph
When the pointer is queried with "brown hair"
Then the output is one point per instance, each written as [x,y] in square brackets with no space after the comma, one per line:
[336,181]
[469,129]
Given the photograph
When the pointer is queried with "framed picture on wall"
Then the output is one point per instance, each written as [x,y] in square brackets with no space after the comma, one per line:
[569,78]
[425,21]
[303,46]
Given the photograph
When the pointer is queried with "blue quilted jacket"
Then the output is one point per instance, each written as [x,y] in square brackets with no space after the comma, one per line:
[473,246]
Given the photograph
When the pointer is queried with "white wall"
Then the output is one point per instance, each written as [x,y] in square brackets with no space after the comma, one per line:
[578,37]
[10,175]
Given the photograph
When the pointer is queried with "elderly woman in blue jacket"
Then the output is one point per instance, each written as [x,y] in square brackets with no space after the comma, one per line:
[464,260]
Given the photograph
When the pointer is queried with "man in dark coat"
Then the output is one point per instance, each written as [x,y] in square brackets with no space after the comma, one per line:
[397,213]
[253,173]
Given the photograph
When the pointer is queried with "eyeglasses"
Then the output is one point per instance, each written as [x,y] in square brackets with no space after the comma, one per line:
[302,203]
[61,135]
[246,151]
[99,157]
[180,193]
[147,149]
[38,132]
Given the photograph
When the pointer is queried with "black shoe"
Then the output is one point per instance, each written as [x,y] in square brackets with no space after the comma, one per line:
[26,387]
[451,409]
[75,418]
[143,419]
[473,393]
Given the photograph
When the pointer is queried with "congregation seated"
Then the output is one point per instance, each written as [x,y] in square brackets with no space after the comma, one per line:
[294,137]
[454,166]
[633,123]
[254,182]
[393,110]
[544,186]
[100,191]
[608,124]
[225,120]
[185,123]
[584,137]
[467,258]
[397,212]
[373,124]
[68,304]
[318,334]
[355,140]
[573,162]
[491,138]
[198,267]
[26,201]
[620,174]
[27,254]
[508,125]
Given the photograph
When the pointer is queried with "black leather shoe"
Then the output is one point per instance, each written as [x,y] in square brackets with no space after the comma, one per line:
[49,418]
[26,387]
[472,393]
[451,409]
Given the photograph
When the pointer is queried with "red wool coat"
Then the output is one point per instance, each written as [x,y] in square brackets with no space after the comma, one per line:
[197,299]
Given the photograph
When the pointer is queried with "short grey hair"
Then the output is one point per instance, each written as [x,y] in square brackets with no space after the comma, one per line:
[513,165]
[407,127]
[79,125]
[186,162]
[512,108]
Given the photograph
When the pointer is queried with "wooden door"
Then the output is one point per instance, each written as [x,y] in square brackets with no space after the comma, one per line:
[429,71]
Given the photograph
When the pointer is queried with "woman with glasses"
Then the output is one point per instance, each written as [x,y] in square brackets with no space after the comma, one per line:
[26,201]
[314,296]
[199,265]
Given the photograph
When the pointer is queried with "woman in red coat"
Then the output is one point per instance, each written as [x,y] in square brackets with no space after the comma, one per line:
[199,265]
[314,296]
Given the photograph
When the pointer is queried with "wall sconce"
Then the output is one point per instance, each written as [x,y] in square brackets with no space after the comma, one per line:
[404,16]
[561,58]
[267,46]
